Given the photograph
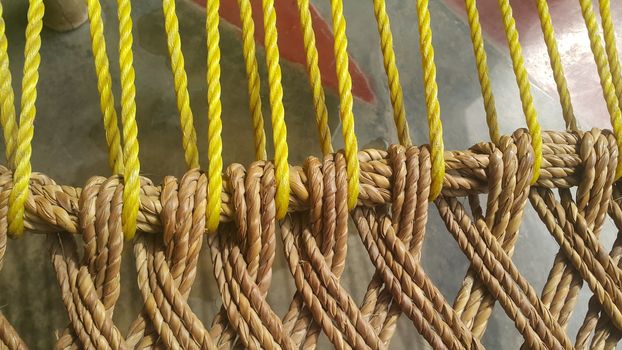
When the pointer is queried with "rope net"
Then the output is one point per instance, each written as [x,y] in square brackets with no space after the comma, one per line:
[568,177]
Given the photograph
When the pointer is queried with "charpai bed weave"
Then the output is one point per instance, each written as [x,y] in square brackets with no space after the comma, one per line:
[569,177]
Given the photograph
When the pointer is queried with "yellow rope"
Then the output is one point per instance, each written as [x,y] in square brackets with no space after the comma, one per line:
[610,47]
[131,191]
[605,76]
[393,76]
[346,101]
[104,86]
[431,98]
[315,79]
[7,110]
[556,65]
[279,130]
[481,62]
[524,87]
[252,72]
[23,169]
[214,110]
[180,80]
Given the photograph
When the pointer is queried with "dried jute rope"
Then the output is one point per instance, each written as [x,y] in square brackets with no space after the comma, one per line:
[315,245]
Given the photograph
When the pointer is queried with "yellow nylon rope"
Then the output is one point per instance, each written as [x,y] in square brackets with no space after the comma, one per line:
[604,74]
[346,101]
[393,76]
[524,87]
[131,191]
[556,64]
[315,79]
[104,86]
[481,62]
[214,110]
[180,80]
[610,47]
[25,132]
[431,98]
[252,72]
[7,109]
[279,130]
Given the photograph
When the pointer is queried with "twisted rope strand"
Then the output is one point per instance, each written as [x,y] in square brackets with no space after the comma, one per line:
[25,132]
[7,110]
[252,72]
[556,64]
[131,191]
[346,101]
[524,86]
[104,86]
[279,129]
[481,63]
[433,107]
[180,80]
[393,76]
[315,79]
[604,74]
[214,111]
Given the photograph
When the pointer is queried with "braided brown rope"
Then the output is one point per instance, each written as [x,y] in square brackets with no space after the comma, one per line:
[390,220]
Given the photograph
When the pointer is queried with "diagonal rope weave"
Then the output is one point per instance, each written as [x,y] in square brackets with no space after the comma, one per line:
[568,177]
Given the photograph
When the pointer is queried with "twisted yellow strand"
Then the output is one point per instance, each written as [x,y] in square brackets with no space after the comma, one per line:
[604,74]
[252,72]
[556,64]
[481,63]
[524,86]
[131,191]
[431,98]
[315,78]
[25,131]
[609,35]
[214,110]
[7,108]
[279,130]
[180,80]
[104,86]
[346,101]
[393,76]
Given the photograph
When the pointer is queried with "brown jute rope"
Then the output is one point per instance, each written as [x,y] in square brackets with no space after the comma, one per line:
[391,223]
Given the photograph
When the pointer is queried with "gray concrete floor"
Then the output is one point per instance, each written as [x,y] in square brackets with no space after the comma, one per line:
[69,144]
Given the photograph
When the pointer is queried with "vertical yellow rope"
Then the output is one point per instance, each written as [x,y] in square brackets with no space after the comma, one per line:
[393,76]
[7,99]
[131,191]
[481,62]
[524,87]
[346,101]
[252,72]
[315,79]
[214,110]
[25,132]
[431,98]
[279,130]
[610,47]
[556,65]
[104,86]
[605,76]
[180,80]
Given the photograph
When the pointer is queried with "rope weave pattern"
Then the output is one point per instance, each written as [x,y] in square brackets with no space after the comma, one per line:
[569,178]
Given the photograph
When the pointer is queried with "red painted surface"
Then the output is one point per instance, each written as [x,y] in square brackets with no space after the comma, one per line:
[291,45]
[573,44]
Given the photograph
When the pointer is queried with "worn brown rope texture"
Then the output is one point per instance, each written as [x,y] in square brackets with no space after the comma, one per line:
[390,219]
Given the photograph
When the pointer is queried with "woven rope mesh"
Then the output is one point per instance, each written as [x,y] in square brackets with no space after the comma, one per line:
[321,235]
